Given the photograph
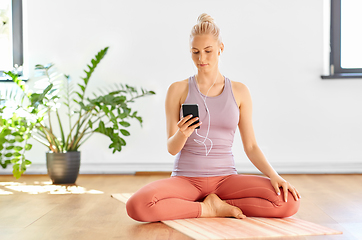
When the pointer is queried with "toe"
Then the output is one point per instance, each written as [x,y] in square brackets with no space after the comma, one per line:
[240,216]
[237,213]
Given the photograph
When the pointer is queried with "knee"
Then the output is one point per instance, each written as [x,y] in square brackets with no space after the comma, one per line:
[131,209]
[290,207]
[134,209]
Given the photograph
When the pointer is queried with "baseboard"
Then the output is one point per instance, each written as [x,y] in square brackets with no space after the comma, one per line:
[132,168]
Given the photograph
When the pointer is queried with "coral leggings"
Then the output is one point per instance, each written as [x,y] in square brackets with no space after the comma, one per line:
[179,197]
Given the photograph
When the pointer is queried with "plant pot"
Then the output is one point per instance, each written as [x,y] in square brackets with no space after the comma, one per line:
[63,167]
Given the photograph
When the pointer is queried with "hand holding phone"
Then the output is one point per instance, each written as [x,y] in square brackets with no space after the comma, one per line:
[188,123]
[192,109]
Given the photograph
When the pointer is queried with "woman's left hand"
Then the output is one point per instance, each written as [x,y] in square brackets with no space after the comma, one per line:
[277,182]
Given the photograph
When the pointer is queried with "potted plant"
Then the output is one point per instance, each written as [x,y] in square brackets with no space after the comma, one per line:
[106,113]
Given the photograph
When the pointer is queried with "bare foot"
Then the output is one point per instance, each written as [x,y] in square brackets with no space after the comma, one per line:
[213,206]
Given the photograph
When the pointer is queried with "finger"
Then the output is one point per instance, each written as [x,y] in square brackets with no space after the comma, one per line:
[285,190]
[299,196]
[276,188]
[184,119]
[187,129]
[293,191]
[181,125]
[190,122]
[195,126]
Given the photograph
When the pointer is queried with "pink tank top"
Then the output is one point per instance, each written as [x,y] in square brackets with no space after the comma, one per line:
[192,161]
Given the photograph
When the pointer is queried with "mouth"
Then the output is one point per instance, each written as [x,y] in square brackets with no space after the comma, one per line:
[202,65]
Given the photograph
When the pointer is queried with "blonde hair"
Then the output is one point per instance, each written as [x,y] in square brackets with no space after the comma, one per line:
[205,25]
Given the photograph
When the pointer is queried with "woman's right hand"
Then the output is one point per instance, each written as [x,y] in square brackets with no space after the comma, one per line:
[185,127]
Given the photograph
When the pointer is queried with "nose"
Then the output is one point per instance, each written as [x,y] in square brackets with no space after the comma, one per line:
[201,57]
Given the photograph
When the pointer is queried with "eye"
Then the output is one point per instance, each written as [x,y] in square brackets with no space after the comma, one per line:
[208,51]
[195,52]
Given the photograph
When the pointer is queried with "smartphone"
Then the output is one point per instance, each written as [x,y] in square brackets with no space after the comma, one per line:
[193,109]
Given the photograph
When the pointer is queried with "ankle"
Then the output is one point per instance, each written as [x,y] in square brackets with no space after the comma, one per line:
[205,211]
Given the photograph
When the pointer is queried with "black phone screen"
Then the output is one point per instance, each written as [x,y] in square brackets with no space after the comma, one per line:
[193,109]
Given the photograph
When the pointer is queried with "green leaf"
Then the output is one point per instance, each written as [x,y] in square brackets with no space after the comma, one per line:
[122,141]
[125,124]
[95,62]
[6,132]
[35,99]
[18,148]
[16,171]
[28,162]
[125,132]
[14,160]
[127,110]
[79,95]
[39,66]
[47,89]
[23,167]
[112,116]
[139,119]
[19,139]
[51,91]
[83,106]
[28,146]
[49,65]
[9,148]
[102,127]
[90,124]
[27,136]
[54,97]
[16,154]
[105,109]
[82,87]
[8,155]
[16,134]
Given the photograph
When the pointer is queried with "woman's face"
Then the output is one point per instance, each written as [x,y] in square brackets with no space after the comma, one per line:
[205,52]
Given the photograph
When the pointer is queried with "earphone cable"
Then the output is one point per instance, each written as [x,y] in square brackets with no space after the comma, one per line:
[208,127]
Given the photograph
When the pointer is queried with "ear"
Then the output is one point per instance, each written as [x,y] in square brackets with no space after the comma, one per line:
[221,48]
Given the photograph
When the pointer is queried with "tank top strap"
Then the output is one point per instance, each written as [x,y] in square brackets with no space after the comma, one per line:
[228,86]
[193,85]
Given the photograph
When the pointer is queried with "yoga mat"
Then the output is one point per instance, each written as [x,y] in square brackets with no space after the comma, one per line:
[250,227]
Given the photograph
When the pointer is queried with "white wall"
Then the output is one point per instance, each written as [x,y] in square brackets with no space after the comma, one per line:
[302,123]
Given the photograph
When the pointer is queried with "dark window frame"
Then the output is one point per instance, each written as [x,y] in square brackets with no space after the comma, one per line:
[335,69]
[17,30]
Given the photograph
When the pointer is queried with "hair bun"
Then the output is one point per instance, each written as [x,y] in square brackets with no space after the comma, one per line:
[205,18]
[206,25]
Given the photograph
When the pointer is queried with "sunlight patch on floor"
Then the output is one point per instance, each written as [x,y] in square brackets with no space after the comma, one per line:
[3,192]
[44,187]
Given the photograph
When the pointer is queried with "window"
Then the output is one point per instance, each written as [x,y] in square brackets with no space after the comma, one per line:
[345,39]
[11,37]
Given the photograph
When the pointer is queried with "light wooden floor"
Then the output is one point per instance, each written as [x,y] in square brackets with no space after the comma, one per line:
[334,201]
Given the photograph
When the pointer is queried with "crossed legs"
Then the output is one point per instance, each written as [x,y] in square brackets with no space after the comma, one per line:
[179,197]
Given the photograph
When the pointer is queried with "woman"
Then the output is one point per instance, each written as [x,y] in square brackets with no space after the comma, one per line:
[204,182]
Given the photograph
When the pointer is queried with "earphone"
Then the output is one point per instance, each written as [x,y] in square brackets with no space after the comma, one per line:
[208,127]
